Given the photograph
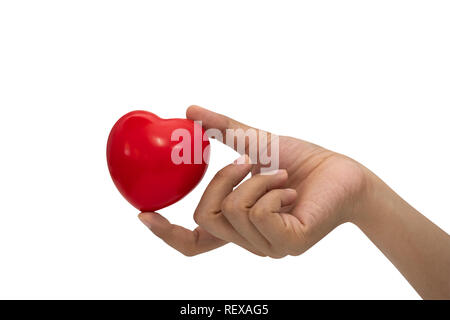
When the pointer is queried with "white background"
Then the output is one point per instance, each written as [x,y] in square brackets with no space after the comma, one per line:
[370,79]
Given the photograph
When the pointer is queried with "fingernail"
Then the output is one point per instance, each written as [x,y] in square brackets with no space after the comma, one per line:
[244,159]
[273,172]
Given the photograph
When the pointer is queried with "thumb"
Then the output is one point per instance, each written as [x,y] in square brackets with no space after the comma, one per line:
[188,242]
[233,133]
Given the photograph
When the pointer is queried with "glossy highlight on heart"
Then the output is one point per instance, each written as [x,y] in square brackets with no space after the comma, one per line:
[143,155]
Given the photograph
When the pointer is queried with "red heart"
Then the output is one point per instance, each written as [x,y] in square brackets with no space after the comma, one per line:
[143,154]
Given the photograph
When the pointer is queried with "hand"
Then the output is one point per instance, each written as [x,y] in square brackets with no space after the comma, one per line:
[289,211]
[274,215]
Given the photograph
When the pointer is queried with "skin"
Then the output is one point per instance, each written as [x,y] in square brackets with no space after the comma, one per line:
[288,211]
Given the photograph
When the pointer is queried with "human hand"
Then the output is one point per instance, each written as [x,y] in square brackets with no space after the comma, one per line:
[314,191]
[278,214]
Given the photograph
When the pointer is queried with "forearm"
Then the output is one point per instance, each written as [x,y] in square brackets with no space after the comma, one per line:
[418,248]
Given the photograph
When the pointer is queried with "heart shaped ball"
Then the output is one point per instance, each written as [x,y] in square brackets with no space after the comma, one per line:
[155,162]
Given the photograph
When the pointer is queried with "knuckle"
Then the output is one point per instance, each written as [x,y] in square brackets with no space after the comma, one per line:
[296,253]
[229,206]
[257,213]
[277,255]
[189,252]
[198,218]
[234,206]
[203,219]
[296,250]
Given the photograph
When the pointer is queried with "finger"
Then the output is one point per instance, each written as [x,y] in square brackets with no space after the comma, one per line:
[187,242]
[223,184]
[238,204]
[239,136]
[213,120]
[248,192]
[209,210]
[265,216]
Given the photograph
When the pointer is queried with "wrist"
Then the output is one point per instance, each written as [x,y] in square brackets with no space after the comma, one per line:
[375,197]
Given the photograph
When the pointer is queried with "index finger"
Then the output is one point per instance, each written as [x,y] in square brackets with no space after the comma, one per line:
[239,136]
[214,120]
